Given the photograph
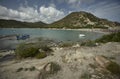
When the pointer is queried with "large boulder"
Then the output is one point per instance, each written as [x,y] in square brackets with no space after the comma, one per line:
[109,65]
[49,69]
[102,61]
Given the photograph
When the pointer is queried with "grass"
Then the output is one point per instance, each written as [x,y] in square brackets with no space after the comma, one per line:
[46,49]
[24,51]
[32,68]
[114,68]
[41,55]
[88,43]
[19,69]
[92,66]
[66,44]
[28,50]
[109,58]
[114,37]
[1,55]
[85,76]
[54,68]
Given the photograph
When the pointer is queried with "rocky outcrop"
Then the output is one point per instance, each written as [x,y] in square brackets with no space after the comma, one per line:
[49,69]
[109,65]
[102,61]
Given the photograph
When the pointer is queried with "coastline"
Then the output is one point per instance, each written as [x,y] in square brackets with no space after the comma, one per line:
[105,31]
[73,60]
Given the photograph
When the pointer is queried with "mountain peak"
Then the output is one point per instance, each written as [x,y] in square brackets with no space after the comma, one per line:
[73,20]
[83,20]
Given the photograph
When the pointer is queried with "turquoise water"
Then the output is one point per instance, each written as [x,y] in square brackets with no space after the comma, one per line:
[59,35]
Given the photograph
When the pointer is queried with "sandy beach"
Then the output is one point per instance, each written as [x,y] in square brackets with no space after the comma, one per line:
[74,61]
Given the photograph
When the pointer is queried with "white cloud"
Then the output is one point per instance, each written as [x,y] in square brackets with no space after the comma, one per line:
[79,1]
[106,10]
[51,13]
[30,14]
[73,1]
[76,4]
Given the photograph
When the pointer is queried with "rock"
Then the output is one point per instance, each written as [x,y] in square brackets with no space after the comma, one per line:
[111,66]
[102,61]
[47,67]
[77,45]
[51,68]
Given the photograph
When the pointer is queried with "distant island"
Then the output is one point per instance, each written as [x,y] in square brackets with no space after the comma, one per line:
[74,20]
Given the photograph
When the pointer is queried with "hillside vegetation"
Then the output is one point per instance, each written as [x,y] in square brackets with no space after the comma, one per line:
[83,20]
[19,24]
[114,37]
[74,20]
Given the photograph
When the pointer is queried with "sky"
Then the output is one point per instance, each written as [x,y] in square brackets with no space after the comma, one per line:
[49,11]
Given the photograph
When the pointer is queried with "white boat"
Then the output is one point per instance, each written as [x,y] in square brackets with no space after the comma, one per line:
[81,35]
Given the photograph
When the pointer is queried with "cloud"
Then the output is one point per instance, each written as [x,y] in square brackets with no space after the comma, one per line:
[80,1]
[77,4]
[30,14]
[106,10]
[51,13]
[73,1]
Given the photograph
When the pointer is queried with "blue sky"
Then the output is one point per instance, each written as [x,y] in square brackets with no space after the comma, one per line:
[49,11]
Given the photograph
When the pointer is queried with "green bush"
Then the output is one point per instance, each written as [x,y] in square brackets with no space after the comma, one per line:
[41,55]
[88,43]
[28,50]
[1,55]
[32,68]
[46,49]
[55,67]
[66,44]
[85,75]
[19,69]
[114,68]
[24,51]
[114,37]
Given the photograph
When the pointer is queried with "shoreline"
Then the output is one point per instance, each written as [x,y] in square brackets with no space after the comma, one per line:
[72,60]
[105,31]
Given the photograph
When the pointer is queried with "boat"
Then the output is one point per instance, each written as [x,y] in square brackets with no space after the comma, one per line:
[81,35]
[22,37]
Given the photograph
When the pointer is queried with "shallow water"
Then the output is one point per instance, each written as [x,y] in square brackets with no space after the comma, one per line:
[58,35]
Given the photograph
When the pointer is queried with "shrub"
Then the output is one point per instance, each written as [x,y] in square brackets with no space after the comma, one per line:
[46,49]
[114,68]
[26,69]
[88,43]
[1,55]
[24,51]
[19,69]
[28,50]
[41,55]
[55,67]
[85,76]
[32,68]
[114,37]
[66,44]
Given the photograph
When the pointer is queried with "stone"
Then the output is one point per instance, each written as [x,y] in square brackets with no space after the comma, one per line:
[47,67]
[102,61]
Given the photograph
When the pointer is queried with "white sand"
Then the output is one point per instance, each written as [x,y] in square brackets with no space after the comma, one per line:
[73,60]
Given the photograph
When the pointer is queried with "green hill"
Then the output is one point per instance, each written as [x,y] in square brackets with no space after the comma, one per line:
[83,20]
[74,20]
[19,24]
